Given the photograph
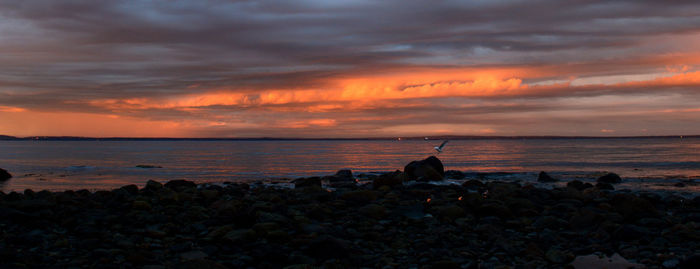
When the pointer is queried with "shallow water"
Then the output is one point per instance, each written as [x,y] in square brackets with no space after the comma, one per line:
[646,163]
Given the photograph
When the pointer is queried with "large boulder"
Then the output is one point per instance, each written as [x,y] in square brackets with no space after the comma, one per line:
[4,175]
[544,177]
[344,175]
[430,169]
[610,178]
[388,179]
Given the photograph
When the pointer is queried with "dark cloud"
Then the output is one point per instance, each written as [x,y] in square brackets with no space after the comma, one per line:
[62,55]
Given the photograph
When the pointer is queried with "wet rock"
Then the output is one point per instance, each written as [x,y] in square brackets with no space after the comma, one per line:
[153,185]
[672,263]
[692,261]
[327,247]
[305,182]
[610,178]
[180,184]
[141,205]
[131,189]
[604,186]
[388,179]
[344,175]
[193,255]
[473,184]
[578,185]
[450,212]
[559,256]
[148,166]
[360,196]
[4,175]
[429,169]
[373,211]
[198,264]
[544,177]
[630,232]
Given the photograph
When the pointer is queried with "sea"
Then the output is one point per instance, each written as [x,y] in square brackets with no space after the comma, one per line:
[664,164]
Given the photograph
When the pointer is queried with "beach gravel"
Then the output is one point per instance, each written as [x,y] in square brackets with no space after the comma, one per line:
[488,224]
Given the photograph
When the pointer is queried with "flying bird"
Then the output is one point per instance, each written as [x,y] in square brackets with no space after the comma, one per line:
[439,148]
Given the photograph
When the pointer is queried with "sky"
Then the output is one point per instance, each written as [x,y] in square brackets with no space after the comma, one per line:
[313,68]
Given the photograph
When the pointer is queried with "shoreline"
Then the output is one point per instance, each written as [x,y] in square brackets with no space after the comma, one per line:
[488,224]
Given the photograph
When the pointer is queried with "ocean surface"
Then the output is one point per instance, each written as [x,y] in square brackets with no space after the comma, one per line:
[644,163]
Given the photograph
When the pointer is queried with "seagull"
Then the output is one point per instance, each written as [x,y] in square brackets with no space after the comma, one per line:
[439,148]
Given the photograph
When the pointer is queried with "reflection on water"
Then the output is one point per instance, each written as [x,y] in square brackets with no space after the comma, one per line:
[59,165]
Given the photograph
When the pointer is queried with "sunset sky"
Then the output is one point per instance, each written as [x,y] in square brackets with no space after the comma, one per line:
[314,68]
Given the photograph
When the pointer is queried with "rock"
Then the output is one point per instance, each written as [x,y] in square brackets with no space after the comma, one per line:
[610,178]
[148,166]
[445,264]
[153,185]
[690,262]
[131,189]
[180,184]
[344,175]
[430,169]
[577,184]
[544,177]
[198,264]
[141,205]
[558,256]
[604,186]
[679,185]
[305,182]
[672,263]
[388,179]
[360,196]
[193,255]
[373,211]
[613,262]
[450,212]
[4,175]
[327,247]
[473,184]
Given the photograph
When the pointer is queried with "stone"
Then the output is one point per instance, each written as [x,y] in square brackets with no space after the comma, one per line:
[193,255]
[373,211]
[604,186]
[131,189]
[360,196]
[692,261]
[141,205]
[198,264]
[429,169]
[558,256]
[578,185]
[4,175]
[610,178]
[153,185]
[473,184]
[544,177]
[305,182]
[180,184]
[388,179]
[344,175]
[327,247]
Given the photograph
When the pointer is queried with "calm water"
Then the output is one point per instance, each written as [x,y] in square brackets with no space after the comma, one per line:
[59,165]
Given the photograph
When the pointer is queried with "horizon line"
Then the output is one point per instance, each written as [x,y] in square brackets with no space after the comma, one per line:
[436,137]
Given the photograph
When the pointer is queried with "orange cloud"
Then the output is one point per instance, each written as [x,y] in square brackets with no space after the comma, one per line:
[11,109]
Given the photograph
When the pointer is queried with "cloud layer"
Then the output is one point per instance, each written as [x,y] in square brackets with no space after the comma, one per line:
[349,68]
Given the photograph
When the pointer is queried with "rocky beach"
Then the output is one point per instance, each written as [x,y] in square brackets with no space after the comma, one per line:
[334,222]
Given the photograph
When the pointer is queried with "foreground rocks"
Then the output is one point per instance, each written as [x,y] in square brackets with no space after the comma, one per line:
[478,225]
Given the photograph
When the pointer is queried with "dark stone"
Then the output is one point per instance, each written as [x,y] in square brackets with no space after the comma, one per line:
[577,184]
[430,169]
[180,184]
[388,179]
[473,184]
[690,262]
[630,232]
[610,178]
[344,175]
[544,177]
[604,186]
[679,185]
[327,247]
[153,185]
[4,175]
[307,182]
[131,189]
[147,166]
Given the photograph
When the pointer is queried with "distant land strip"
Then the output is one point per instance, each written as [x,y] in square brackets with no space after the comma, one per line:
[441,137]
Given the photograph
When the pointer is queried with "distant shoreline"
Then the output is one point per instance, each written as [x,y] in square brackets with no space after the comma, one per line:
[450,137]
